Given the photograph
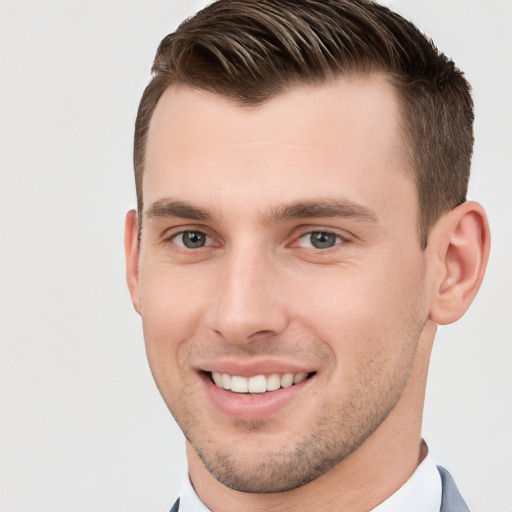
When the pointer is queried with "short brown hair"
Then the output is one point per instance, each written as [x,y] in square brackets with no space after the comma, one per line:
[253,50]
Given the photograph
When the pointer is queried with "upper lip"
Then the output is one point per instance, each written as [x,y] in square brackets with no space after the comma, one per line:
[254,367]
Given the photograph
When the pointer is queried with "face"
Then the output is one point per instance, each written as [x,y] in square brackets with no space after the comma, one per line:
[280,279]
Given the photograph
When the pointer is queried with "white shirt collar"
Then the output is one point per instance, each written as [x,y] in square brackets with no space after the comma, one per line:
[189,500]
[421,493]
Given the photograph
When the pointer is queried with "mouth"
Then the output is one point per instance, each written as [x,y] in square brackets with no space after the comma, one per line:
[247,393]
[258,384]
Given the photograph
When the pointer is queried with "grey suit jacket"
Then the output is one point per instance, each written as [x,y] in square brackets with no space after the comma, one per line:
[451,500]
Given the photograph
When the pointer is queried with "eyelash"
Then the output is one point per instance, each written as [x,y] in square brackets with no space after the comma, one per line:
[340,239]
[172,238]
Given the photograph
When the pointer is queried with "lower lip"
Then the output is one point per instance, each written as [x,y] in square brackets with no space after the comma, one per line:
[246,406]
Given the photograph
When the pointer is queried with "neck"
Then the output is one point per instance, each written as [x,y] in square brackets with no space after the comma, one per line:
[366,478]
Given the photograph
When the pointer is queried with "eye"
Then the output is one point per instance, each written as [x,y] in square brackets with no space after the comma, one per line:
[192,239]
[319,240]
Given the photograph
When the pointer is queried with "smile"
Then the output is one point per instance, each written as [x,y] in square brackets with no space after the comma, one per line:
[247,393]
[257,383]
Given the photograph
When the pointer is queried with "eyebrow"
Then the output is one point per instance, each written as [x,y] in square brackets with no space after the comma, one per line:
[172,208]
[325,207]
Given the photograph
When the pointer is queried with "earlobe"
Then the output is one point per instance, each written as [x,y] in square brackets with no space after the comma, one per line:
[463,241]
[131,247]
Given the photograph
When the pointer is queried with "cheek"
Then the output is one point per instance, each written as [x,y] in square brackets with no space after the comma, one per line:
[172,303]
[171,296]
[365,307]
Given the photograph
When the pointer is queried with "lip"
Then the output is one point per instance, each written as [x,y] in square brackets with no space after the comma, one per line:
[254,367]
[247,406]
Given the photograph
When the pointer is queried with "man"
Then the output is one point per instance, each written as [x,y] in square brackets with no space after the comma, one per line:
[302,228]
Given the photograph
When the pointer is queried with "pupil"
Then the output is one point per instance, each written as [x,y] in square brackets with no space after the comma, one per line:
[321,240]
[193,240]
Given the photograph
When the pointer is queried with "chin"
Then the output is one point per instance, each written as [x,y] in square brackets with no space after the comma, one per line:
[267,465]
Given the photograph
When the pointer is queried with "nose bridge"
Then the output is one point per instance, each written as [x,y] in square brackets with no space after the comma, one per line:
[247,304]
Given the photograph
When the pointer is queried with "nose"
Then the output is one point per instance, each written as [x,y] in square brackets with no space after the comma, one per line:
[248,305]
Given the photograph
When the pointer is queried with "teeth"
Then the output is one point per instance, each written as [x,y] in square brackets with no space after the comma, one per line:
[258,383]
[287,380]
[217,378]
[239,384]
[299,377]
[273,382]
[226,381]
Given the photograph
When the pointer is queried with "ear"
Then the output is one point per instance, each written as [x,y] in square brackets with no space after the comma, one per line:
[131,248]
[462,241]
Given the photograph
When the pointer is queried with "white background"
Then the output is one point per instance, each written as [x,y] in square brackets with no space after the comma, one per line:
[82,427]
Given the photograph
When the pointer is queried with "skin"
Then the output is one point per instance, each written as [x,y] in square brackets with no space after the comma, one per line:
[360,315]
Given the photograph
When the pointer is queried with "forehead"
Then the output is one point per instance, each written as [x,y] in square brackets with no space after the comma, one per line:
[337,138]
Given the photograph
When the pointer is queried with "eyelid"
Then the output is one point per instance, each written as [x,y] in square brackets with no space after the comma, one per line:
[339,240]
[169,234]
[303,231]
[175,237]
